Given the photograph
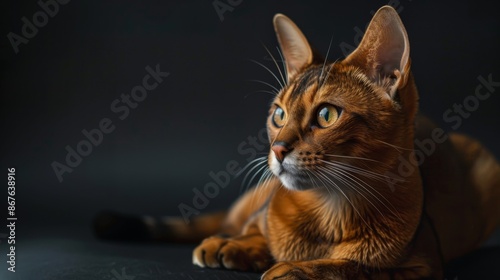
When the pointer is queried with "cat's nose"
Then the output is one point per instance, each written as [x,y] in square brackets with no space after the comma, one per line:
[280,150]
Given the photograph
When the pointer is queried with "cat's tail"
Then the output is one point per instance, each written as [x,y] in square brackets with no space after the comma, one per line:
[122,227]
[485,175]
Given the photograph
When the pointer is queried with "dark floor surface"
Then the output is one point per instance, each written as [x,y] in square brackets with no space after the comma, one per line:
[58,254]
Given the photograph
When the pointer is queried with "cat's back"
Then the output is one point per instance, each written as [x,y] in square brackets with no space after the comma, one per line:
[461,180]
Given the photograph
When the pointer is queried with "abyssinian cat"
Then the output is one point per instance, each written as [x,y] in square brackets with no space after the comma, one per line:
[338,205]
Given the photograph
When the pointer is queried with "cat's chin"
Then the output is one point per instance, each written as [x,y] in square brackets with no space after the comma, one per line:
[290,177]
[291,182]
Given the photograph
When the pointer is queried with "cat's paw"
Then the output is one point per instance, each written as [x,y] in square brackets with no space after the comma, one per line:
[285,271]
[245,255]
[300,271]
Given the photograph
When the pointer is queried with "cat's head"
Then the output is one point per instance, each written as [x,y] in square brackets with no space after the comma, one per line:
[333,122]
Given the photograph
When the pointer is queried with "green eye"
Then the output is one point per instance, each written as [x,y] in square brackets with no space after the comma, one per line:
[279,117]
[327,115]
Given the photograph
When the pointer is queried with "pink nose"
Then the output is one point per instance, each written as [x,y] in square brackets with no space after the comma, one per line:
[280,150]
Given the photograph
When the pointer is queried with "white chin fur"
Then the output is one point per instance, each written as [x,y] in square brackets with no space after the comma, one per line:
[290,183]
[288,180]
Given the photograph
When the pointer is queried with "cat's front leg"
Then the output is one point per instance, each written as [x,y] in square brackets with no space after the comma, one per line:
[247,252]
[414,268]
[315,269]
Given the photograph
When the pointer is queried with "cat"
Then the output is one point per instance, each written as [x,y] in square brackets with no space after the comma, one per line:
[336,205]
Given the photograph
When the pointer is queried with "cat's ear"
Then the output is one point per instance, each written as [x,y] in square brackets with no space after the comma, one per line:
[296,50]
[384,51]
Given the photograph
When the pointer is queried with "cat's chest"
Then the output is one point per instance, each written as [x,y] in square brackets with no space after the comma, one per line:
[299,245]
[299,230]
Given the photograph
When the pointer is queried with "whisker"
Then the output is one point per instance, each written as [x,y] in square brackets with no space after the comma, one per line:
[258,162]
[284,64]
[353,157]
[328,73]
[259,166]
[367,188]
[260,91]
[267,84]
[275,63]
[344,194]
[272,93]
[358,158]
[367,173]
[394,146]
[262,168]
[360,170]
[262,184]
[313,181]
[269,70]
[250,163]
[346,181]
[324,63]
[364,172]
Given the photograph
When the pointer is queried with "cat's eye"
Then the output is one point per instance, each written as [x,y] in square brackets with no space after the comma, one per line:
[279,117]
[327,115]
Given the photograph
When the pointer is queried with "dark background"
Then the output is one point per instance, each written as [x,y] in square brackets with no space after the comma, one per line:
[65,78]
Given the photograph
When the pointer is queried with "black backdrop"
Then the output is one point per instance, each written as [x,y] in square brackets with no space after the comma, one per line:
[64,79]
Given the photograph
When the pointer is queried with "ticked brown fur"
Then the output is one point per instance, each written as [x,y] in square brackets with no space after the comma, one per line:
[354,219]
